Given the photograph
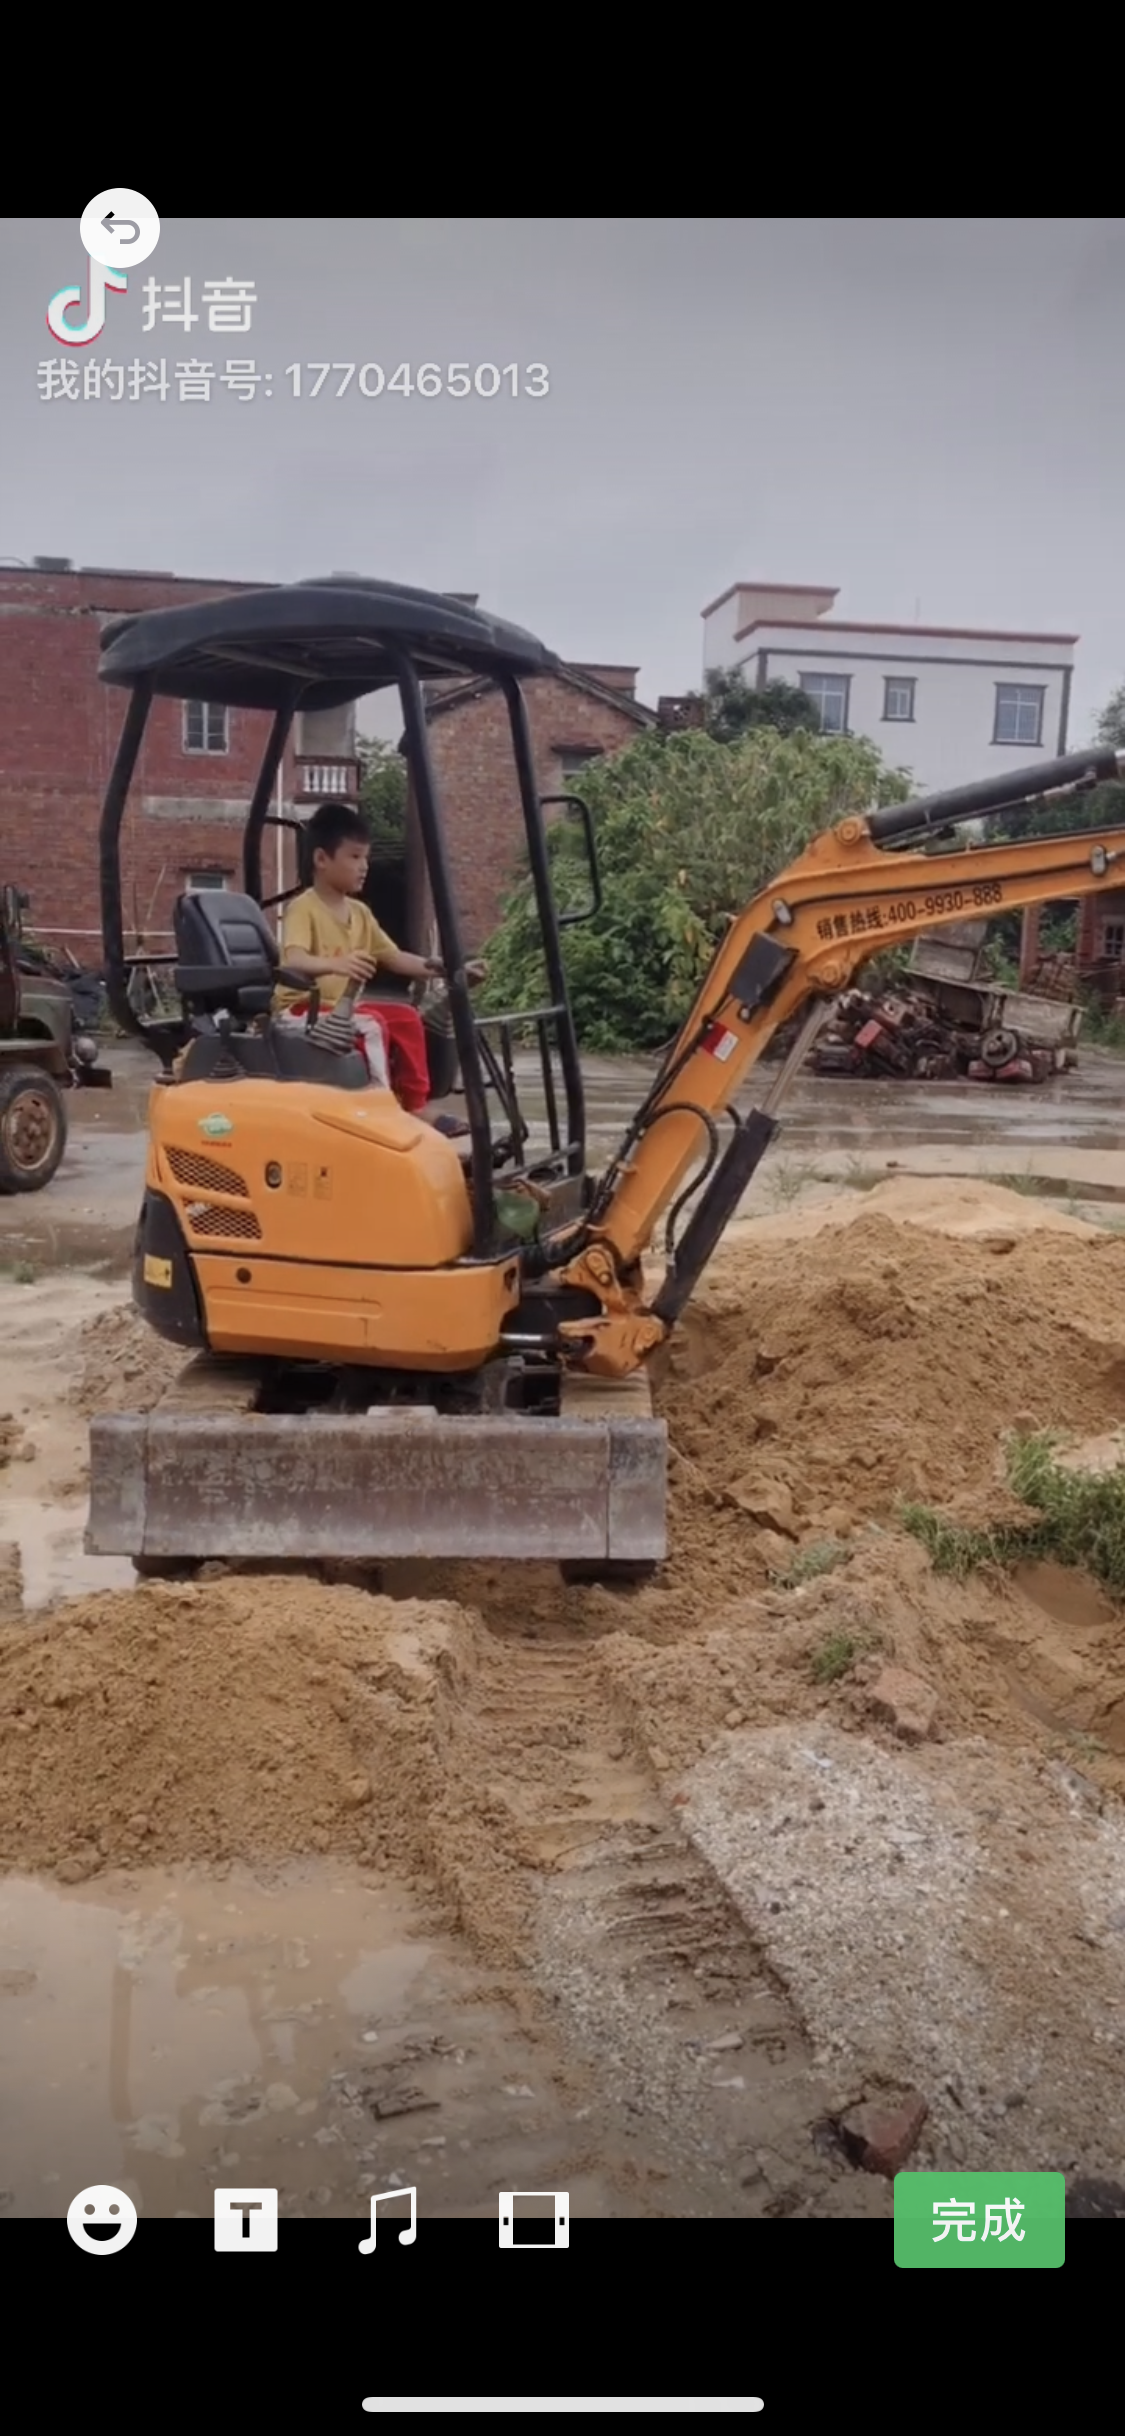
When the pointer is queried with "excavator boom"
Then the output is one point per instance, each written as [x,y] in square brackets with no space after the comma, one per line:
[797,945]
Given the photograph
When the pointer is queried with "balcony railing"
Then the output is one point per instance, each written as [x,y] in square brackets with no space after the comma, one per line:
[326,778]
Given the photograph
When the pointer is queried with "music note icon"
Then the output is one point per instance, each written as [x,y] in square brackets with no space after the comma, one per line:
[409,2232]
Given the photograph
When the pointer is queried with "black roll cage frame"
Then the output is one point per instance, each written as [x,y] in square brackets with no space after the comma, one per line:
[485,1043]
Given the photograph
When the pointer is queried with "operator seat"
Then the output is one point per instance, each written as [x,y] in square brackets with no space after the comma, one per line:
[227,964]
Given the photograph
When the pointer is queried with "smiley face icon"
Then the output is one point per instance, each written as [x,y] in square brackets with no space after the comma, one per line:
[102,2220]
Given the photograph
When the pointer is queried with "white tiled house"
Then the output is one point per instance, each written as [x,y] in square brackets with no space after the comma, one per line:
[947,703]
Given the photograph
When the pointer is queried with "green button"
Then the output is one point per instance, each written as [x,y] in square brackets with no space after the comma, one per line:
[980,2220]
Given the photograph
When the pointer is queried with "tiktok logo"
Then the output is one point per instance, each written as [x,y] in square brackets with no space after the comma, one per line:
[81,334]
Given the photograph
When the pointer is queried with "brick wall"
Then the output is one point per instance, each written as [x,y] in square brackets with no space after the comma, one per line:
[470,743]
[58,735]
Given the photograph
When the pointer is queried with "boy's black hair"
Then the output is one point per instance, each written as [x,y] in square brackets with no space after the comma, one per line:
[332,824]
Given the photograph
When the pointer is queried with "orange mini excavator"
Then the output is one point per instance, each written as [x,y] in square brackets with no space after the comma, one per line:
[397,1346]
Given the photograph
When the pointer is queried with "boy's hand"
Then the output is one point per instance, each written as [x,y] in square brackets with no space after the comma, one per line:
[475,973]
[356,966]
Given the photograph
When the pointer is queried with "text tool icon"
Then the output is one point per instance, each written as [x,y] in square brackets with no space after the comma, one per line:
[409,2232]
[535,2220]
[246,2220]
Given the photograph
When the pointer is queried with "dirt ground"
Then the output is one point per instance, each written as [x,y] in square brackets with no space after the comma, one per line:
[684,1877]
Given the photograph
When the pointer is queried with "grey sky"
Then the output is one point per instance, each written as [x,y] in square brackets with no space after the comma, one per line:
[925,413]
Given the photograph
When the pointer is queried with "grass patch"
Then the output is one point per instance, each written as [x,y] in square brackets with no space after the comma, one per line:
[1079,1520]
[822,1557]
[1103,1031]
[835,1657]
[23,1273]
[1024,1182]
[952,1549]
[789,1180]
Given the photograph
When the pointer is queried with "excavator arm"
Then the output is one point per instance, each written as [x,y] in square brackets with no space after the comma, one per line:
[852,894]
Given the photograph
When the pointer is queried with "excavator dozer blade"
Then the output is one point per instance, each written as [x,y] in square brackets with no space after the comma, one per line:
[383,1486]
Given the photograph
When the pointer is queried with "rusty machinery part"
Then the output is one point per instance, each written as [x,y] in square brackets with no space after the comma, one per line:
[1002,1047]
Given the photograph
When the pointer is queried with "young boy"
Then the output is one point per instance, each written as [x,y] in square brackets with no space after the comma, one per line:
[330,938]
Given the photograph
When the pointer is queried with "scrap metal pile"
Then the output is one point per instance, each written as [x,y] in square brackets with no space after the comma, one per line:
[905,1034]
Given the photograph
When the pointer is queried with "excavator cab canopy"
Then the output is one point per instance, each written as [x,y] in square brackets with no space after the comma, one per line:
[316,647]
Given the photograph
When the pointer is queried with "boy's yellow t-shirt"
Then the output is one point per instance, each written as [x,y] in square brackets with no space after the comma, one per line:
[310,924]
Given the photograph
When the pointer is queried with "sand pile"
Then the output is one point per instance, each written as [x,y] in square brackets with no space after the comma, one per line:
[220,1718]
[808,1398]
[261,1718]
[890,1362]
[805,1401]
[943,1205]
[1034,1658]
[122,1367]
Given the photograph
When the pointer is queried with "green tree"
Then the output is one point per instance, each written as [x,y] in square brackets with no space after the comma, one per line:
[1110,727]
[688,830]
[382,797]
[1099,808]
[731,708]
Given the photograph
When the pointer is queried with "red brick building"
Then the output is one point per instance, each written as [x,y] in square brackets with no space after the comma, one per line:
[58,734]
[1098,961]
[59,729]
[576,717]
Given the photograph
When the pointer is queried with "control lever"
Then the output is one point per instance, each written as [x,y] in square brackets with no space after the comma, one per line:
[336,1030]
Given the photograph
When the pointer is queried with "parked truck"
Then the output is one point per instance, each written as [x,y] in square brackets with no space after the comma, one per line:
[43,1055]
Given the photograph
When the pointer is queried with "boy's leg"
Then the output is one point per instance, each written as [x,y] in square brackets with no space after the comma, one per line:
[402,1028]
[373,1039]
[294,1018]
[409,1064]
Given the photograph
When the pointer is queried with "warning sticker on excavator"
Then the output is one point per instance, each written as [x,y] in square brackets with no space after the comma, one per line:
[720,1043]
[297,1177]
[322,1184]
[157,1272]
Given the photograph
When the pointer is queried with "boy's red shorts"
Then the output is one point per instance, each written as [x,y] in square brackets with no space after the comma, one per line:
[405,1035]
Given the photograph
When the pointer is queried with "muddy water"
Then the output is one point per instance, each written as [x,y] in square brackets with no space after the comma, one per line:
[53,1560]
[163,2032]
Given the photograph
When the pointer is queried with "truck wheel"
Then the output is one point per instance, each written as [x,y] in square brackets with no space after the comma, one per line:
[32,1129]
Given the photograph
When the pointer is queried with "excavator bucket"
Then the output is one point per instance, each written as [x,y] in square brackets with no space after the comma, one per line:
[206,1476]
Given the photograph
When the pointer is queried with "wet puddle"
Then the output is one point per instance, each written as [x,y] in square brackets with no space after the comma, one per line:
[53,1561]
[161,2031]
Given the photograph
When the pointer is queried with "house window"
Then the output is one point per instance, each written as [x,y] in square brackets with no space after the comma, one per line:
[1019,714]
[898,697]
[830,697]
[1113,941]
[206,727]
[575,759]
[196,880]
